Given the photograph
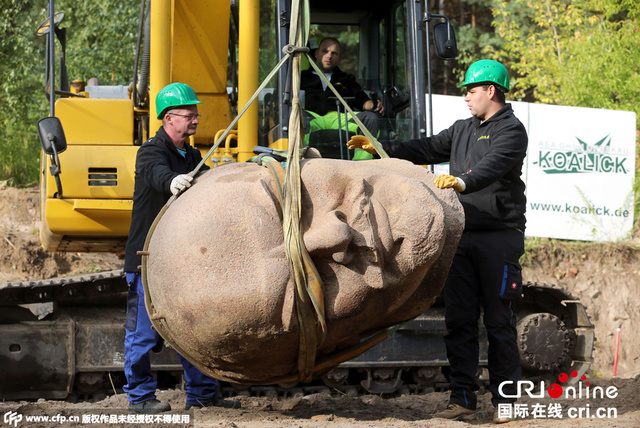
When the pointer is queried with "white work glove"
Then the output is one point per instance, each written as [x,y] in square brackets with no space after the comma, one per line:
[180,182]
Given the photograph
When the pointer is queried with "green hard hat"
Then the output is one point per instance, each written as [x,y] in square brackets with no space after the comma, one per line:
[175,95]
[487,71]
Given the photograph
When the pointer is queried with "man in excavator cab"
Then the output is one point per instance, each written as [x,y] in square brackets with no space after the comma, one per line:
[162,168]
[486,154]
[323,110]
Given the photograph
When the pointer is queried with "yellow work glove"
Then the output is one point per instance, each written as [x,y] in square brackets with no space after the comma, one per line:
[443,181]
[361,142]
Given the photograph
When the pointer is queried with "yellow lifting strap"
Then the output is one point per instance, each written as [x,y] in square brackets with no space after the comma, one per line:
[309,293]
[309,296]
[309,300]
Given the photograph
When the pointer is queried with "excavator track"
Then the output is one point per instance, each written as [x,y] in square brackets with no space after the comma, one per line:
[63,289]
[63,338]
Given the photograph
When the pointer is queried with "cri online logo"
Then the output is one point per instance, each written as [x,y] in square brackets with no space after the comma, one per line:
[555,390]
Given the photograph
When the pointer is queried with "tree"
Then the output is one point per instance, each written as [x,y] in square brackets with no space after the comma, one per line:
[476,39]
[21,89]
[573,52]
[101,40]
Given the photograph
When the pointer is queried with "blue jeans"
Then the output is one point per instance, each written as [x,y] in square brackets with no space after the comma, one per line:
[138,341]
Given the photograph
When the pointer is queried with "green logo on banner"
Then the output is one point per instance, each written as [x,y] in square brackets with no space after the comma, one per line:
[600,157]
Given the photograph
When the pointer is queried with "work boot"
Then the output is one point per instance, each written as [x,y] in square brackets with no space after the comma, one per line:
[502,415]
[150,407]
[218,402]
[454,412]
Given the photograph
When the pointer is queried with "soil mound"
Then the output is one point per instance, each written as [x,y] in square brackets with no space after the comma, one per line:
[21,255]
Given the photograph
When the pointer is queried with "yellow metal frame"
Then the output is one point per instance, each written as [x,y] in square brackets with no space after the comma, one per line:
[248,46]
[94,213]
[189,44]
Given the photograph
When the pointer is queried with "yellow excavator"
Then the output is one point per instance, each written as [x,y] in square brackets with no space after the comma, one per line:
[223,49]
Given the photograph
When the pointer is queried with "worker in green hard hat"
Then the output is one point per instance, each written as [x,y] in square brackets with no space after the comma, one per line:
[175,95]
[162,169]
[486,154]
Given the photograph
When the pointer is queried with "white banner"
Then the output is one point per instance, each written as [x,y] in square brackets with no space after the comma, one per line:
[579,169]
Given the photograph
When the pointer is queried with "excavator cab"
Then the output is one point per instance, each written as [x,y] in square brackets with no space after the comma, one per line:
[383,46]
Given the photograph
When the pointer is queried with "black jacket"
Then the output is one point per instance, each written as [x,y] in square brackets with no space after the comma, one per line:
[157,163]
[317,100]
[488,157]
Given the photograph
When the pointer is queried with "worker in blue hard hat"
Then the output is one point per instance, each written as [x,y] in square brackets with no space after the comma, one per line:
[486,154]
[162,169]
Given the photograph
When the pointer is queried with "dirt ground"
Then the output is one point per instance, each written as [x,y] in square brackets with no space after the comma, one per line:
[605,277]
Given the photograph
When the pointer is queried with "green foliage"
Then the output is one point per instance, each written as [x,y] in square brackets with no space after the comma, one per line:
[475,35]
[102,37]
[573,52]
[100,43]
[476,39]
[21,91]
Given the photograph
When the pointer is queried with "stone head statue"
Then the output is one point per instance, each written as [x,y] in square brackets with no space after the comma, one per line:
[219,285]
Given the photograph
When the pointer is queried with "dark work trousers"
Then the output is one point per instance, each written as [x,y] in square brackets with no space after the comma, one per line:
[139,339]
[485,274]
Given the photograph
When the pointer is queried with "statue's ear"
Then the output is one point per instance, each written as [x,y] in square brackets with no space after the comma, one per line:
[330,236]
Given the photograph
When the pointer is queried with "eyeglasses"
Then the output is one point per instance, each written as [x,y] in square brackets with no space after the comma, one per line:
[189,117]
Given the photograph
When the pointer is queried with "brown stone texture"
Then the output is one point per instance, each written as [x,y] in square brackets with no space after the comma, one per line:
[381,235]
